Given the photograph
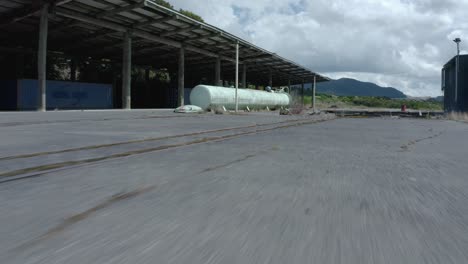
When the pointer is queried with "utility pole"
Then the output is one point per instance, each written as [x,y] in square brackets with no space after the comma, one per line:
[313,93]
[457,40]
[237,76]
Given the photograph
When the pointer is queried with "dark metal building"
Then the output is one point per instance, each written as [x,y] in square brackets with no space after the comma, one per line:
[455,95]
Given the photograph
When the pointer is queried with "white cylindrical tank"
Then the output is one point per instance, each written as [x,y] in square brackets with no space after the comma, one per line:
[207,97]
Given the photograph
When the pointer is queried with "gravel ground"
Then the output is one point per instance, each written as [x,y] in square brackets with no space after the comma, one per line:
[340,191]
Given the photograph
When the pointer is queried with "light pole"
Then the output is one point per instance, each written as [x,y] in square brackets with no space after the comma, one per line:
[457,40]
[237,76]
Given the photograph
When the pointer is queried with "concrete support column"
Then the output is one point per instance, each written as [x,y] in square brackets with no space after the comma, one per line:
[181,77]
[303,92]
[127,72]
[218,72]
[270,79]
[42,56]
[244,75]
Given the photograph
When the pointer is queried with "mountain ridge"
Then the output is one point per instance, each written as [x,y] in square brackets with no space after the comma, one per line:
[353,87]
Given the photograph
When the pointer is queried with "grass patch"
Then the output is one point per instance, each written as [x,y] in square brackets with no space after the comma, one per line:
[327,101]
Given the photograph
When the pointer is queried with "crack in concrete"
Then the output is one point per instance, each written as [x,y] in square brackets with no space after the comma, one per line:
[406,146]
[228,163]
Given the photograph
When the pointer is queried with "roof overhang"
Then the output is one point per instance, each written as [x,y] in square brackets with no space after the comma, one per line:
[95,27]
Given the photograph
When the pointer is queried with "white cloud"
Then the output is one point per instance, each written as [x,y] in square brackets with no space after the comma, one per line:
[398,43]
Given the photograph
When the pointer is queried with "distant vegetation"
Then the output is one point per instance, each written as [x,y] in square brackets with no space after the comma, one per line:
[182,11]
[327,101]
[350,87]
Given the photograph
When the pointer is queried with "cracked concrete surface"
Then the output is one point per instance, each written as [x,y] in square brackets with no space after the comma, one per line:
[340,191]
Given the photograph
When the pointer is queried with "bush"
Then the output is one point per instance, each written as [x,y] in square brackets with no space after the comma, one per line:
[374,102]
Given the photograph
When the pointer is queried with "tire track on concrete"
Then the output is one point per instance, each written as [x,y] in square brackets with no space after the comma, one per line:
[37,171]
[36,154]
[74,219]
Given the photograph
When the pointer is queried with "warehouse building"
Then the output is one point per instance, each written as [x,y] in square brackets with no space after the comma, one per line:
[455,84]
[86,54]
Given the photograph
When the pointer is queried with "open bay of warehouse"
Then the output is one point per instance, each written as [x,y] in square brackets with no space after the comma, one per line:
[158,187]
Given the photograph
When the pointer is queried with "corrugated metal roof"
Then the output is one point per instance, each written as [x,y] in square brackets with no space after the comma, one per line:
[94,28]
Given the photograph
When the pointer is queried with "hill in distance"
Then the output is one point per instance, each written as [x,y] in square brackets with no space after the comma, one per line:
[352,87]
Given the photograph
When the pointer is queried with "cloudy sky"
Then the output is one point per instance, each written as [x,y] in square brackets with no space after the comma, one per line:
[399,43]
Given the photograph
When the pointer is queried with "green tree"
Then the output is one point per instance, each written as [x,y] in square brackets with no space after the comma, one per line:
[164,3]
[191,15]
[182,11]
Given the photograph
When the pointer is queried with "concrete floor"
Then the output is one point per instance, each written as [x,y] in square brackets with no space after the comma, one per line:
[340,191]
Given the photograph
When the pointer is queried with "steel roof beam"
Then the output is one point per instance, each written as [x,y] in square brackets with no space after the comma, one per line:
[182,30]
[122,23]
[99,35]
[298,71]
[254,55]
[25,12]
[277,64]
[101,14]
[116,27]
[202,37]
[288,67]
[121,9]
[152,4]
[152,48]
[135,32]
[155,21]
[259,57]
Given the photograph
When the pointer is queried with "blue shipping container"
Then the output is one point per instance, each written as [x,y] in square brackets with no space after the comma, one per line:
[60,95]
